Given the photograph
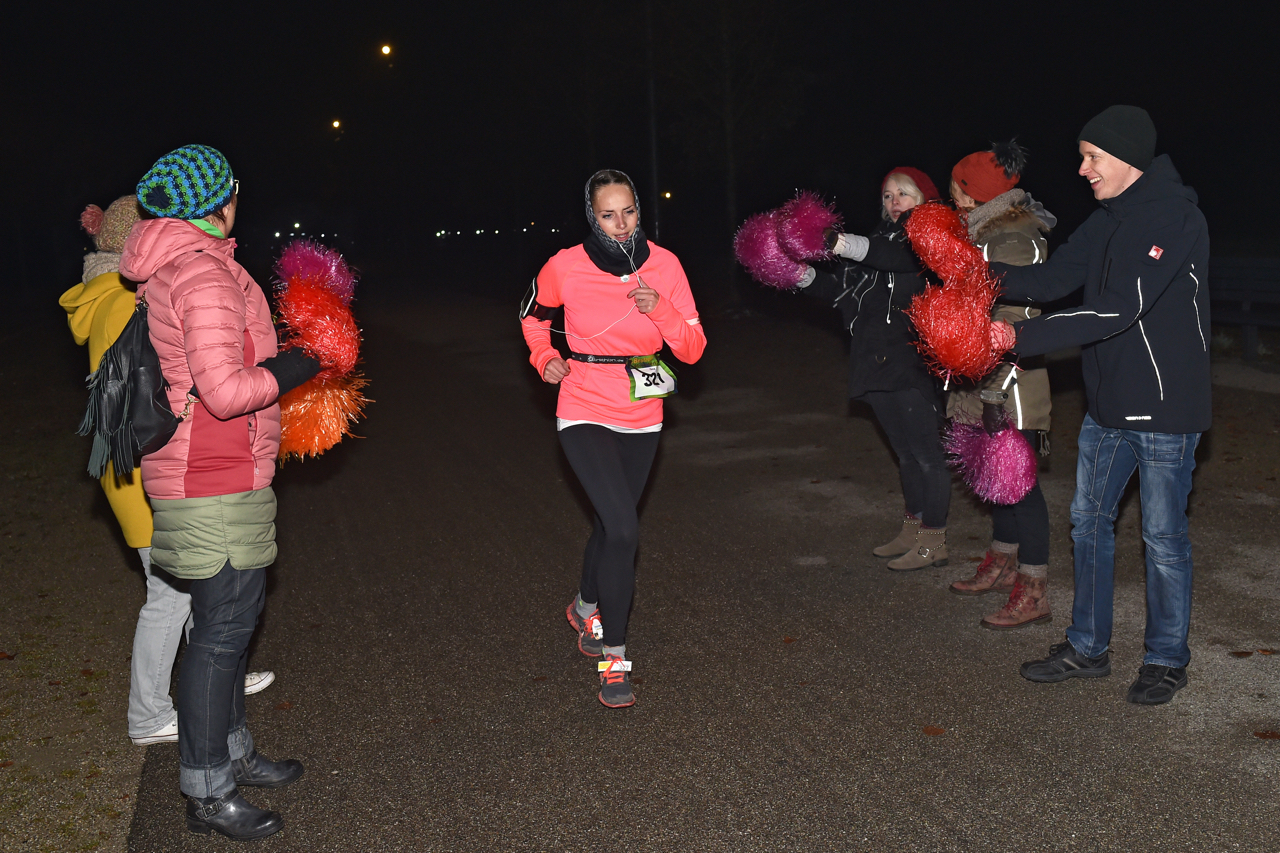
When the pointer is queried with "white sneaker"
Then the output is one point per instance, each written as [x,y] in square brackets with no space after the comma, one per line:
[255,682]
[168,734]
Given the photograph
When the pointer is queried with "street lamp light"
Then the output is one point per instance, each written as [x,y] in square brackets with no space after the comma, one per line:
[386,50]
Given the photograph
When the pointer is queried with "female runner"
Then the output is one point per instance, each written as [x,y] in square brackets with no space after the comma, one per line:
[623,298]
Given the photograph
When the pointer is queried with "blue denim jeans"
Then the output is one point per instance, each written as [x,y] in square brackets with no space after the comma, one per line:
[1164,462]
[212,730]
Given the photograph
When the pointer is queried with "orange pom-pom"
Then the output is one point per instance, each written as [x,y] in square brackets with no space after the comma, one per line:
[317,415]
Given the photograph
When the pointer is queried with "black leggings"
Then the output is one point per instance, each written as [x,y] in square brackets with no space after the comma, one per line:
[613,468]
[1026,523]
[912,424]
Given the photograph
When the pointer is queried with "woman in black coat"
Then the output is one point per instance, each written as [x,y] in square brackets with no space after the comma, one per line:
[872,285]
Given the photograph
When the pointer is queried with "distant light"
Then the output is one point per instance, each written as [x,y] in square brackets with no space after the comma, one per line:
[277,233]
[297,225]
[321,235]
[531,223]
[664,195]
[386,50]
[495,231]
[522,229]
[337,123]
[478,232]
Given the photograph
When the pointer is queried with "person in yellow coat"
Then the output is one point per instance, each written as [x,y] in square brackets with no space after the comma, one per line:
[97,311]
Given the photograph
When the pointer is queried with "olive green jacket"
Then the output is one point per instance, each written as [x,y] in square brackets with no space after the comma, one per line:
[1008,231]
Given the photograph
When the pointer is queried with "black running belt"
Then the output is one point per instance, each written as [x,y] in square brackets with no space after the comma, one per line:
[601,359]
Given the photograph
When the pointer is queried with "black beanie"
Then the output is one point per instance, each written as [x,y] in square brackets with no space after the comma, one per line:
[1126,133]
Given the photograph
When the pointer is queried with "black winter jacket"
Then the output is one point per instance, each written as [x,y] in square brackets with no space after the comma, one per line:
[1143,260]
[872,295]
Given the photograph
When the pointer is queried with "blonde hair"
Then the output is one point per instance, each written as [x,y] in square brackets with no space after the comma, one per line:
[905,182]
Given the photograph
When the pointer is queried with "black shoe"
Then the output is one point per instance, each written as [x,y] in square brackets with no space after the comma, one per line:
[1156,684]
[254,771]
[232,816]
[1065,662]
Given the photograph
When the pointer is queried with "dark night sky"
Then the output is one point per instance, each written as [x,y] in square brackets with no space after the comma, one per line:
[493,114]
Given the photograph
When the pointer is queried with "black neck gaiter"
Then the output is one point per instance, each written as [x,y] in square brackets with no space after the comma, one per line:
[610,255]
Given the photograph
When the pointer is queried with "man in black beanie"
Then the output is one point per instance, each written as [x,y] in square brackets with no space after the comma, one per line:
[1143,330]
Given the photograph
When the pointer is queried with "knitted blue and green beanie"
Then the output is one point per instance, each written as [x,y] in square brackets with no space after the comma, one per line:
[189,183]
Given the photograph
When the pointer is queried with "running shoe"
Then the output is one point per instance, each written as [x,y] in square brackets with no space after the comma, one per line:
[590,631]
[615,682]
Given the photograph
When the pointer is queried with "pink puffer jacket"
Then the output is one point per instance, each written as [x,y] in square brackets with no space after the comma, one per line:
[210,324]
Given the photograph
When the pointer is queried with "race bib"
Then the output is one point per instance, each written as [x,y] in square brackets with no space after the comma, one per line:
[650,378]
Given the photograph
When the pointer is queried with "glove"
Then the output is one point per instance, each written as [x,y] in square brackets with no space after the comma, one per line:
[807,279]
[830,238]
[291,368]
[853,247]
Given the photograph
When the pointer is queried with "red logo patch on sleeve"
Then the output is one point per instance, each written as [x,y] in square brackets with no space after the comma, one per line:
[1156,252]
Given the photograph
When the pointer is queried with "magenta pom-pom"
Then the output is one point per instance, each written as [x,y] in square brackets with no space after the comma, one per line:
[757,248]
[999,468]
[304,260]
[801,226]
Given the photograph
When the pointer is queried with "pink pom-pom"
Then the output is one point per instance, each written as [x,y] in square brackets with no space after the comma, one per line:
[92,218]
[999,468]
[757,248]
[801,223]
[304,259]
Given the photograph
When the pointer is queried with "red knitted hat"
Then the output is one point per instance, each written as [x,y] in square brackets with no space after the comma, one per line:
[922,181]
[982,177]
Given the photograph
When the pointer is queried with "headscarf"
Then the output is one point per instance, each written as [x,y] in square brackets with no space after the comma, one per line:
[613,256]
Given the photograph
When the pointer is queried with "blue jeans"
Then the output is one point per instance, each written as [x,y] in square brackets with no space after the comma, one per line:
[1164,462]
[212,730]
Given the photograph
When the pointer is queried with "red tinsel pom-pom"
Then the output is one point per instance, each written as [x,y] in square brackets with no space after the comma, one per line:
[954,322]
[318,414]
[757,248]
[801,226]
[320,323]
[942,241]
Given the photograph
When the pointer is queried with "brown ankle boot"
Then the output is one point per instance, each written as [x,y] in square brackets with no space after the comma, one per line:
[905,541]
[1028,604]
[930,550]
[995,574]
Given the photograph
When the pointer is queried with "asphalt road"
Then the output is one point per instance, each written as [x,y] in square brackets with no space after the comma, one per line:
[792,694]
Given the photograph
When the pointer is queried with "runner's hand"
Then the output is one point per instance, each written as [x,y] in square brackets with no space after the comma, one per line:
[556,370]
[645,296]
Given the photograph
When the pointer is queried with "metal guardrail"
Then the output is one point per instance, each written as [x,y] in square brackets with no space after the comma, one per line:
[1245,292]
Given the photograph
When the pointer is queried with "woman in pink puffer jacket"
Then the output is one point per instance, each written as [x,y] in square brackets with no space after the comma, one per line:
[210,486]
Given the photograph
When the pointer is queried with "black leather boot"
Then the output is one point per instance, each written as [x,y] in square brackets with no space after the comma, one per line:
[232,816]
[254,771]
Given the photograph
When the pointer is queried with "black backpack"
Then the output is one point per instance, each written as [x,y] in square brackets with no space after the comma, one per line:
[128,412]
